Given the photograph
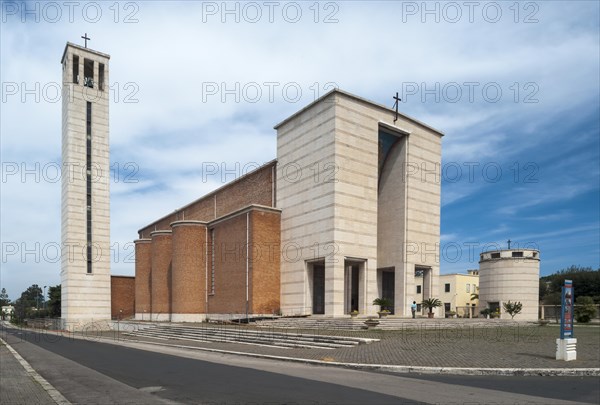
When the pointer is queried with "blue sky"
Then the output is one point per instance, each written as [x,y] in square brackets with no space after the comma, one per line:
[514,88]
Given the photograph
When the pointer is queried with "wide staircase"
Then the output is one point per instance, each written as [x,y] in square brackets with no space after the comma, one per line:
[388,323]
[215,333]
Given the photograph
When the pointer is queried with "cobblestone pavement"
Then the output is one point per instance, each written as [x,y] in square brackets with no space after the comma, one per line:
[508,345]
[16,385]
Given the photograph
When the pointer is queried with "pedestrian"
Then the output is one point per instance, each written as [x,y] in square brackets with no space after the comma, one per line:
[413,309]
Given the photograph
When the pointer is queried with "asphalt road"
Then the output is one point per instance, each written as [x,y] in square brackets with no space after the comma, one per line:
[91,372]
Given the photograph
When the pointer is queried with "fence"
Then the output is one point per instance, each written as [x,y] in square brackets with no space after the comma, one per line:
[552,312]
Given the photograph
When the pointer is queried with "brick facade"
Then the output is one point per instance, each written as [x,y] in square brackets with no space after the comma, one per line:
[177,277]
[256,187]
[122,297]
[264,264]
[143,270]
[162,247]
[188,277]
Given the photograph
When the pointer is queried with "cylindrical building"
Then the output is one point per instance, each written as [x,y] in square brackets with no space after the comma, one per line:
[510,275]
[161,275]
[143,271]
[188,275]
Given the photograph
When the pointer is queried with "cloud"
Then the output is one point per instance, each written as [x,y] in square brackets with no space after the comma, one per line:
[169,120]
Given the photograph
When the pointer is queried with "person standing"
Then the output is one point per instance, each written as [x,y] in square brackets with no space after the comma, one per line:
[413,309]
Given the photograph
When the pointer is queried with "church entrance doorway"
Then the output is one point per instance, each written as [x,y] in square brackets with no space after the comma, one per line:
[388,286]
[318,284]
[351,285]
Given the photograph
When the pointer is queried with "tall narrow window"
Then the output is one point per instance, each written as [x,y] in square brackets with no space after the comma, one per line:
[447,287]
[88,168]
[212,261]
[101,76]
[75,69]
[88,73]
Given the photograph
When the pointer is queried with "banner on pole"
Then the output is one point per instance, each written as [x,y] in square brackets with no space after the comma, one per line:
[566,313]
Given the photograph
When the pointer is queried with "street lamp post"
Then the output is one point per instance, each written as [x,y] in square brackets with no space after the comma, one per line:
[44,306]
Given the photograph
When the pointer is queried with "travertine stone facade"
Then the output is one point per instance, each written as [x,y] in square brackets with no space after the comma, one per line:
[86,288]
[510,275]
[337,209]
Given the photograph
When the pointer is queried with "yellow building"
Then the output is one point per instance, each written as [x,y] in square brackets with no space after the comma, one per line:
[455,293]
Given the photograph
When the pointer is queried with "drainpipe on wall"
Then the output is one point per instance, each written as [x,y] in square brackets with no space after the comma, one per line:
[206,270]
[247,259]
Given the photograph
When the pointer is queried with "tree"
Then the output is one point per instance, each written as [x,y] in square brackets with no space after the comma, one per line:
[543,289]
[4,301]
[512,308]
[431,303]
[29,302]
[383,303]
[54,302]
[586,282]
[584,309]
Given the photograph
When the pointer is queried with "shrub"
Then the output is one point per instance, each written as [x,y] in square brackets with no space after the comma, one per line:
[584,309]
[512,308]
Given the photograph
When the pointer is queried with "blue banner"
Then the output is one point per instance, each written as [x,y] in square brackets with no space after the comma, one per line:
[566,313]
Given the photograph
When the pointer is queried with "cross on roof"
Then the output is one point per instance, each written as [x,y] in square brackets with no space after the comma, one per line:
[509,243]
[85,38]
[396,106]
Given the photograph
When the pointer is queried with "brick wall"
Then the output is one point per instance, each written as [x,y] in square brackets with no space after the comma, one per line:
[174,268]
[188,277]
[255,187]
[161,272]
[265,231]
[230,267]
[122,297]
[143,270]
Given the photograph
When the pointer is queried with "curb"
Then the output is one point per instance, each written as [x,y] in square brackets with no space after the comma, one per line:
[555,372]
[53,392]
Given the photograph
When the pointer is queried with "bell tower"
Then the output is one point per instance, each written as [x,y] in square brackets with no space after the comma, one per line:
[85,227]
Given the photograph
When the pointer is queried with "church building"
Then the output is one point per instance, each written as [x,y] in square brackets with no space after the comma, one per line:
[349,211]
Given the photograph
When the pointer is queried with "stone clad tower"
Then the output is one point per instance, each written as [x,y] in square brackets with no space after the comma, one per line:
[85,260]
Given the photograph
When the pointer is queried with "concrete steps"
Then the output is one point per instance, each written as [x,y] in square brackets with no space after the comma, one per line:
[388,323]
[246,336]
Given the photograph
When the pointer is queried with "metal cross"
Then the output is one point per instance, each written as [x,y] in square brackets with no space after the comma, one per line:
[85,37]
[509,243]
[396,106]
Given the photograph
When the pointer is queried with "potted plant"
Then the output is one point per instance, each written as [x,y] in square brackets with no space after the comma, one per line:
[354,314]
[485,312]
[431,303]
[451,314]
[371,322]
[383,303]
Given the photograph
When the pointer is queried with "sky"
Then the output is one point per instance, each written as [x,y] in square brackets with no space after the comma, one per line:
[514,86]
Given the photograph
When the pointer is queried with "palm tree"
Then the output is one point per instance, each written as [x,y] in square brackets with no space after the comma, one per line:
[383,303]
[431,303]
